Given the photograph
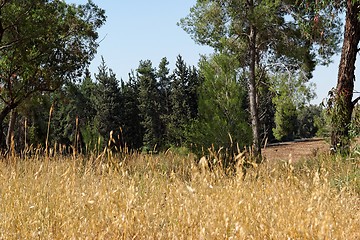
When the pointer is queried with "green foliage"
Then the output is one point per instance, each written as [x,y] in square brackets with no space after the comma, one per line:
[63,120]
[265,35]
[149,105]
[108,105]
[286,115]
[165,87]
[183,94]
[72,122]
[192,89]
[43,44]
[132,128]
[323,124]
[286,29]
[285,119]
[88,128]
[340,118]
[355,122]
[320,23]
[222,120]
[36,114]
[306,121]
[266,106]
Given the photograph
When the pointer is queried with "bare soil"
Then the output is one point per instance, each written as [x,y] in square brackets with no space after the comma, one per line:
[299,149]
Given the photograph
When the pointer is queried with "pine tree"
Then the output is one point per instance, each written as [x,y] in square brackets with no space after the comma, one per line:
[132,128]
[108,104]
[258,34]
[149,105]
[287,108]
[88,129]
[180,114]
[164,85]
[69,115]
[222,121]
[194,82]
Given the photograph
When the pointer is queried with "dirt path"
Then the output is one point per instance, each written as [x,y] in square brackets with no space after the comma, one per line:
[297,149]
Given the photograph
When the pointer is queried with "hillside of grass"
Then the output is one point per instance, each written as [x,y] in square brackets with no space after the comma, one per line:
[167,196]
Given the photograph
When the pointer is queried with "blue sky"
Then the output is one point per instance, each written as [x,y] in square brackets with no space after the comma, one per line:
[142,29]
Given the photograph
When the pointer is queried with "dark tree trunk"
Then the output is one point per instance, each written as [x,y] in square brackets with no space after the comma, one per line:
[343,104]
[5,111]
[253,97]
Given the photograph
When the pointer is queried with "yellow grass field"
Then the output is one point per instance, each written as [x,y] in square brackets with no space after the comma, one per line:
[167,196]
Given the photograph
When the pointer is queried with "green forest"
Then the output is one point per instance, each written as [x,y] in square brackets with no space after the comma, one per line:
[253,90]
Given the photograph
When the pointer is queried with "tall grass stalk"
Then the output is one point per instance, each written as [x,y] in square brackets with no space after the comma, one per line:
[48,131]
[167,196]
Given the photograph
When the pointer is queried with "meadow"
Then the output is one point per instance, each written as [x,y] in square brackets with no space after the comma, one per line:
[168,196]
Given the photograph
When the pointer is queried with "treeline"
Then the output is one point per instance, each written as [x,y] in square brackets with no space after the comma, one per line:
[149,111]
[158,108]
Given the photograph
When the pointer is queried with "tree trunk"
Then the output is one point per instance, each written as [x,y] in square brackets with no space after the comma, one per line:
[10,132]
[5,111]
[253,97]
[343,104]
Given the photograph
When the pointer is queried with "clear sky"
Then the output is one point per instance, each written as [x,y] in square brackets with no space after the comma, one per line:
[142,29]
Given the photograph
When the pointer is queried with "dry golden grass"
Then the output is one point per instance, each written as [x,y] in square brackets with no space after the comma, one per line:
[166,197]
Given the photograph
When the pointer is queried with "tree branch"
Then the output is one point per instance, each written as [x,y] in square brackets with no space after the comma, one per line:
[2,3]
[9,44]
[355,101]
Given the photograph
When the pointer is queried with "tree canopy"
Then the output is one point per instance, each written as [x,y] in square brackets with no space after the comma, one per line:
[270,35]
[43,43]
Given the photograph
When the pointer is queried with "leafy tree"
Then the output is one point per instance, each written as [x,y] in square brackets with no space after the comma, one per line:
[287,107]
[35,112]
[306,121]
[149,105]
[222,120]
[43,44]
[286,120]
[323,123]
[259,34]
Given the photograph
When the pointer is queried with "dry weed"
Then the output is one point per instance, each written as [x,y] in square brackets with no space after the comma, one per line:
[167,197]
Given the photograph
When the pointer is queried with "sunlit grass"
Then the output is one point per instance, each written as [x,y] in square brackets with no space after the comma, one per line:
[166,196]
